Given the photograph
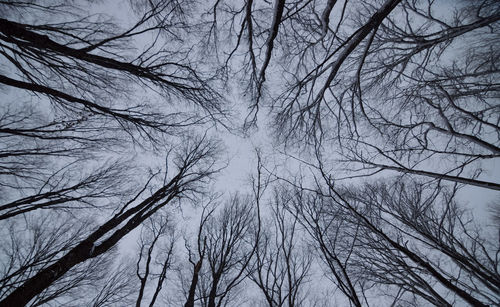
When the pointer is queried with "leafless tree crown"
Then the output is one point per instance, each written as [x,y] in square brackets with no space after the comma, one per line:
[382,117]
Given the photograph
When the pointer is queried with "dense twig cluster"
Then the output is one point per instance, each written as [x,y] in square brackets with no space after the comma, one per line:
[402,94]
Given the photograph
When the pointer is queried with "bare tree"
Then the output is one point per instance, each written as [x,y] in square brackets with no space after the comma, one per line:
[76,85]
[65,190]
[156,254]
[437,235]
[35,242]
[88,55]
[413,105]
[195,163]
[226,241]
[225,244]
[230,245]
[385,85]
[118,288]
[82,80]
[412,240]
[335,235]
[281,265]
[352,89]
[201,245]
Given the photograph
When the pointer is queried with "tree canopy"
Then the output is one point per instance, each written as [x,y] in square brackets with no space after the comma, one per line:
[373,120]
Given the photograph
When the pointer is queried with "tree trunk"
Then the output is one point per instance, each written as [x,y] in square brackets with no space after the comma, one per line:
[194,282]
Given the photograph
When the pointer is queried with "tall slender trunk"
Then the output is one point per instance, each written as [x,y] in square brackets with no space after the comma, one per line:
[87,248]
[213,292]
[194,282]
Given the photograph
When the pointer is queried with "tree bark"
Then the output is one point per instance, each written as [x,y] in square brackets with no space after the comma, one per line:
[194,282]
